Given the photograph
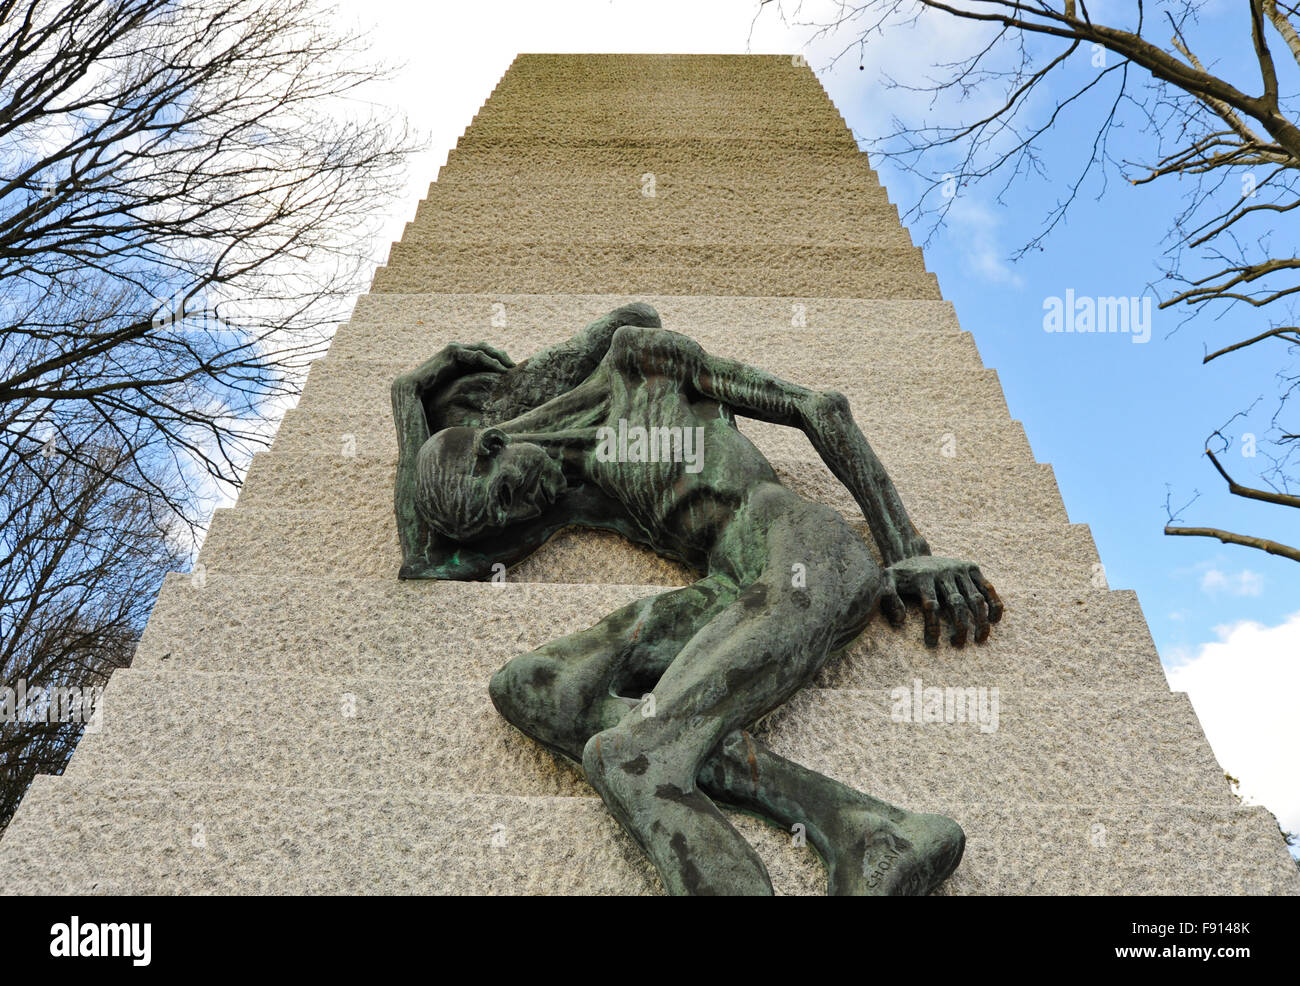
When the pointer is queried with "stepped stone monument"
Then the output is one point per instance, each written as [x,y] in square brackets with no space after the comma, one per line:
[298,720]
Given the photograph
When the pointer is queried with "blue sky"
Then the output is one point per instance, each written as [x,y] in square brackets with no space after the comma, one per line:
[1117,420]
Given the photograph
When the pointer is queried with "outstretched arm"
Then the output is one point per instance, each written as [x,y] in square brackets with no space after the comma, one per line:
[824,416]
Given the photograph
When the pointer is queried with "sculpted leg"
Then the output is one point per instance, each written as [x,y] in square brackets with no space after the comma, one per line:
[567,690]
[748,660]
[870,848]
[570,689]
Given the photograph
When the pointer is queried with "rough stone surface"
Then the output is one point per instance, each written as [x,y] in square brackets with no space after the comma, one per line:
[368,627]
[365,383]
[298,721]
[546,317]
[332,543]
[260,839]
[945,428]
[1119,747]
[922,339]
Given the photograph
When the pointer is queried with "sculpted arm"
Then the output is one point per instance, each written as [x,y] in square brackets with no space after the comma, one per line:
[956,587]
[421,546]
[821,415]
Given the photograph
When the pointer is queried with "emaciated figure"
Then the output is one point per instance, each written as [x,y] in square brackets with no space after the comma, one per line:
[496,458]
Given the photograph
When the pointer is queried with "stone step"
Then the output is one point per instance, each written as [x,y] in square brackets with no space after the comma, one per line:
[946,431]
[541,319]
[675,189]
[357,386]
[648,215]
[631,79]
[1078,746]
[635,98]
[647,225]
[662,98]
[785,135]
[754,260]
[364,543]
[130,838]
[707,160]
[1047,639]
[525,141]
[343,383]
[630,98]
[558,251]
[588,71]
[620,100]
[819,124]
[934,490]
[930,346]
[551,271]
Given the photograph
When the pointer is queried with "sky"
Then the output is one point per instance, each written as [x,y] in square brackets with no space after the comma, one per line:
[1122,423]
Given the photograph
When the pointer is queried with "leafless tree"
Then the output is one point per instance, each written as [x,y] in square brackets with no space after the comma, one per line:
[188,195]
[186,202]
[1234,142]
[81,561]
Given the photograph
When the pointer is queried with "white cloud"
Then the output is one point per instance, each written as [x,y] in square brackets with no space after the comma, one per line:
[1244,688]
[1243,583]
[975,226]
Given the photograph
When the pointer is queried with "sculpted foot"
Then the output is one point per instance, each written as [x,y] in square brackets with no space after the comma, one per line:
[908,857]
[691,844]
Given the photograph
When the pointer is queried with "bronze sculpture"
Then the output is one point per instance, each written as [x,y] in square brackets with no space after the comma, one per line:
[494,458]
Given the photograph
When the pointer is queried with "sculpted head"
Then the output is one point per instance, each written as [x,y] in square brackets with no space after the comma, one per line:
[472,481]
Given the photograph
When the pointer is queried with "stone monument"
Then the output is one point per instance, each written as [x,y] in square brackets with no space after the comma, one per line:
[299,720]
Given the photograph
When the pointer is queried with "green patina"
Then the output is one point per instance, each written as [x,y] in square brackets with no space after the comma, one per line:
[654,700]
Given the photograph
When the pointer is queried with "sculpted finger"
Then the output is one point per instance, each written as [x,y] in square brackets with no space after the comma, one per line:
[483,356]
[979,606]
[486,361]
[990,594]
[891,604]
[498,354]
[958,612]
[929,611]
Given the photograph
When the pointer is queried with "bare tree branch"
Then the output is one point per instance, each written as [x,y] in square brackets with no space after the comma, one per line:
[1233,142]
[1245,540]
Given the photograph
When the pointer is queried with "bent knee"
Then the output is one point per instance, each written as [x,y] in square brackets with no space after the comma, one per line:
[523,687]
[538,686]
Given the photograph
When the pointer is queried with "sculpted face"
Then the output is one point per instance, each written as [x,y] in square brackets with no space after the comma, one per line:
[471,481]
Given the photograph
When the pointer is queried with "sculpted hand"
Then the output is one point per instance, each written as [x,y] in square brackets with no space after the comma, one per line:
[957,587]
[480,356]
